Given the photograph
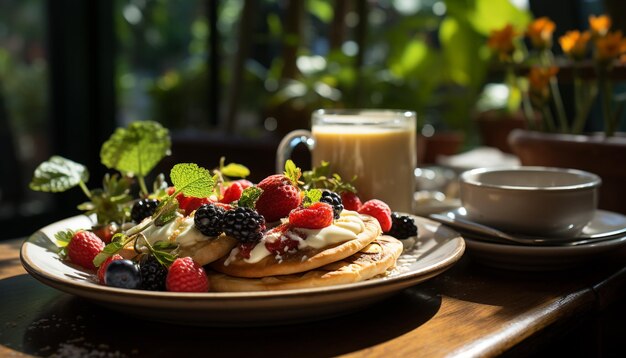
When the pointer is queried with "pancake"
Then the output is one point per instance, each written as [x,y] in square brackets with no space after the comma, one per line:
[373,260]
[301,260]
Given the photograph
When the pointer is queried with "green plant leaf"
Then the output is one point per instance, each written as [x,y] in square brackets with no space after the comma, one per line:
[166,212]
[249,197]
[136,149]
[58,174]
[311,196]
[235,170]
[108,251]
[292,172]
[192,180]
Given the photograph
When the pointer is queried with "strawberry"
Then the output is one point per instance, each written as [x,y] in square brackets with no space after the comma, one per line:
[103,267]
[379,210]
[279,197]
[316,216]
[350,201]
[232,193]
[189,203]
[105,232]
[83,248]
[185,275]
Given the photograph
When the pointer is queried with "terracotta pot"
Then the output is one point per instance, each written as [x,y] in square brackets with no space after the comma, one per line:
[440,143]
[593,153]
[494,128]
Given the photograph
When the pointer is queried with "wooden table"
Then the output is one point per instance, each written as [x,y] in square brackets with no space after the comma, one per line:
[468,311]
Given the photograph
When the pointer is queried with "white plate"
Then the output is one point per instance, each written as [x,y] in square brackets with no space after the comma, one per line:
[436,250]
[538,258]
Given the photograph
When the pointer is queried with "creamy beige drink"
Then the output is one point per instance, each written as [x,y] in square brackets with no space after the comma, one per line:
[383,158]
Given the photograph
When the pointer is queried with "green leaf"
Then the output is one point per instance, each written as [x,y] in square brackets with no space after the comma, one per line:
[108,251]
[136,149]
[311,196]
[63,238]
[164,245]
[192,180]
[234,170]
[249,197]
[292,172]
[165,258]
[166,212]
[58,174]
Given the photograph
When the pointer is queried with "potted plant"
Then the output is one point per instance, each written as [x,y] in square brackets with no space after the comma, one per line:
[591,59]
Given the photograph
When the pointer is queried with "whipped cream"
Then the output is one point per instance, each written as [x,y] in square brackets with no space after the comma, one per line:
[346,228]
[181,230]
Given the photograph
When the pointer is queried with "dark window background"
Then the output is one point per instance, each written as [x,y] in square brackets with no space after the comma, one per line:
[227,76]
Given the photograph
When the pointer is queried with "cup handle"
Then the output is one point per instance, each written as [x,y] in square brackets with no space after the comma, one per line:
[288,143]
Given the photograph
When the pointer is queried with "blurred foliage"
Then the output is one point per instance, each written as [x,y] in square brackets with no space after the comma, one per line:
[428,56]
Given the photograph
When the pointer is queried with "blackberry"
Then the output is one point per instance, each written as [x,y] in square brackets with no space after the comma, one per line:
[208,219]
[153,274]
[142,209]
[402,226]
[332,198]
[244,224]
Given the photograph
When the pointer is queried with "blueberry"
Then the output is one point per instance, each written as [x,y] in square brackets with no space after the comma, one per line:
[122,274]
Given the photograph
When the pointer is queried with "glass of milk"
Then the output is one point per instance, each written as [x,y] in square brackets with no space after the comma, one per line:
[375,146]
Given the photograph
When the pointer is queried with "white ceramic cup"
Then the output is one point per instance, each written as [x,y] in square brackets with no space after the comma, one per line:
[376,146]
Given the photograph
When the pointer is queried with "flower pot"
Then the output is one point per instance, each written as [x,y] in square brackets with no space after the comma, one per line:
[494,128]
[594,153]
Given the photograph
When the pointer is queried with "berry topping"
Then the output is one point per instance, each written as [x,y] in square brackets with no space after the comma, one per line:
[232,193]
[185,275]
[103,267]
[402,226]
[105,232]
[281,243]
[350,201]
[189,203]
[244,224]
[83,248]
[316,216]
[332,198]
[122,274]
[208,219]
[153,274]
[143,209]
[279,197]
[379,210]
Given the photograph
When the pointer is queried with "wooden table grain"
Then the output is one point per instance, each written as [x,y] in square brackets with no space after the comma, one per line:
[468,311]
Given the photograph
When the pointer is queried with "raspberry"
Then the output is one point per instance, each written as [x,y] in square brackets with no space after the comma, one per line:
[103,267]
[83,248]
[316,216]
[209,219]
[105,232]
[350,201]
[244,224]
[379,210]
[279,197]
[402,226]
[185,275]
[142,209]
[153,274]
[189,203]
[232,193]
[332,198]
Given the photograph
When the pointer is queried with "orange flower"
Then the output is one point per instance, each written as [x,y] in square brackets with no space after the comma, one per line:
[539,80]
[599,25]
[610,46]
[540,32]
[501,41]
[574,43]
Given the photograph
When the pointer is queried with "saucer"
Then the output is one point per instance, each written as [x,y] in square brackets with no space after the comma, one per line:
[603,225]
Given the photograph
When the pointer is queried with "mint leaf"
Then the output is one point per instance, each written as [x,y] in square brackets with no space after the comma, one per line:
[292,172]
[166,212]
[234,170]
[136,149]
[108,251]
[64,237]
[192,180]
[164,245]
[311,196]
[58,174]
[249,197]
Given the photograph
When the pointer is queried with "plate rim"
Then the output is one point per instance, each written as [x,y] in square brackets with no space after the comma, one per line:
[402,279]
